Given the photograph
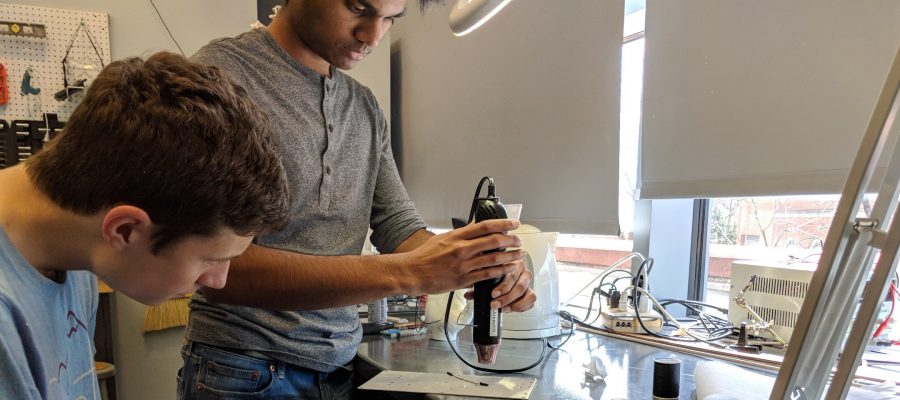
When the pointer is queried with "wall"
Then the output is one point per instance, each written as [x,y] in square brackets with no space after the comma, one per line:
[146,364]
[135,30]
[663,230]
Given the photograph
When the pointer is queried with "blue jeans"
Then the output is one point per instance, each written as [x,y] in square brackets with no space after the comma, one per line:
[215,373]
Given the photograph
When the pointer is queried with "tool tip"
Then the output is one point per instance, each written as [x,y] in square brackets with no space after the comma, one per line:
[487,354]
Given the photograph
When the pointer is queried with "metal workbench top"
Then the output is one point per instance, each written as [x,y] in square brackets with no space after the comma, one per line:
[560,376]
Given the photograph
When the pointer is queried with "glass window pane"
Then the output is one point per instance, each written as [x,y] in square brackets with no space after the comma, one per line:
[781,240]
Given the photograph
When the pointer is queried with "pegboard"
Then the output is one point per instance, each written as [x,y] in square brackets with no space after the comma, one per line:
[45,55]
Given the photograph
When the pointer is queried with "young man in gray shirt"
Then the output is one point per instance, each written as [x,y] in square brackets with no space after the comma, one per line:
[286,325]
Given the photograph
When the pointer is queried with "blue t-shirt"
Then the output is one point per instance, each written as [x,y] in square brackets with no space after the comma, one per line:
[46,331]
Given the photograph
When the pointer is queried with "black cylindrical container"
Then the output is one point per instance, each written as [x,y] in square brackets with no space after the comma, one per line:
[666,378]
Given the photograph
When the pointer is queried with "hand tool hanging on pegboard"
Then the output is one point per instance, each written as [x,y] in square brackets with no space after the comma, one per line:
[4,88]
[31,92]
[29,87]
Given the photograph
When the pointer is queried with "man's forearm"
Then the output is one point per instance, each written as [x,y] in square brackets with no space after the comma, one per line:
[423,263]
[277,279]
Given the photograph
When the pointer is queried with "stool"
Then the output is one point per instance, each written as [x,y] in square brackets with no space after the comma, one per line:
[106,375]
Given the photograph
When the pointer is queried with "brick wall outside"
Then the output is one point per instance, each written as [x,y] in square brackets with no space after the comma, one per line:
[719,265]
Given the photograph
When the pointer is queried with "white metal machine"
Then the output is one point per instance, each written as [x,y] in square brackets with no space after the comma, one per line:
[845,276]
[775,294]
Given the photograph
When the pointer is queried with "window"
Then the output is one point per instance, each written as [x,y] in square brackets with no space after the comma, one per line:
[787,231]
[581,258]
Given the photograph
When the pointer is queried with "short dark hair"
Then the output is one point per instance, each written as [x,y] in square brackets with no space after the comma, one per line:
[175,138]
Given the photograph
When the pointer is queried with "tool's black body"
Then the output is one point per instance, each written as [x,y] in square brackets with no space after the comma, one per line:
[487,324]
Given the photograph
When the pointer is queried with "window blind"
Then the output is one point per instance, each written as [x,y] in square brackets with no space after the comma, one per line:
[761,97]
[531,98]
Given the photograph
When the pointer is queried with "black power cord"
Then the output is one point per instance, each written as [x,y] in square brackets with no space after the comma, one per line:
[716,334]
[569,336]
[546,343]
[165,25]
[716,328]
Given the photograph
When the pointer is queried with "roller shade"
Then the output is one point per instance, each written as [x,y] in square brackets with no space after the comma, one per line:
[752,98]
[531,99]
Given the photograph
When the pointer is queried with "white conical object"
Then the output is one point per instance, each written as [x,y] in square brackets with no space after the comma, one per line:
[468,15]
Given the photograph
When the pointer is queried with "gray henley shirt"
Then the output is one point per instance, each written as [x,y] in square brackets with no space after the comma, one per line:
[335,146]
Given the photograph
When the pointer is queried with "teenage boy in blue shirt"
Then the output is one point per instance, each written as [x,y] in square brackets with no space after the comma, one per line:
[163,174]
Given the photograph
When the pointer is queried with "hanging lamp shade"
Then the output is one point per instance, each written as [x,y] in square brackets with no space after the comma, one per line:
[468,15]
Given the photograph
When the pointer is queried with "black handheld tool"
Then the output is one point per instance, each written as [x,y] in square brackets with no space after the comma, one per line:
[486,336]
[487,323]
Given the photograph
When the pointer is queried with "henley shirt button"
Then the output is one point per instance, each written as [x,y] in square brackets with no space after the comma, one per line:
[328,170]
[327,88]
[330,128]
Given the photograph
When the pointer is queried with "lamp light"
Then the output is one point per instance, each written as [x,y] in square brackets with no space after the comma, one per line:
[468,15]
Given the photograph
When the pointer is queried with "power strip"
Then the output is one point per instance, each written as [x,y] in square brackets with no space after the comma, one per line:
[625,321]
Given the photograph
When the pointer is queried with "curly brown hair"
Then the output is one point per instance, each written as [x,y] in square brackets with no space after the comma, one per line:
[175,138]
